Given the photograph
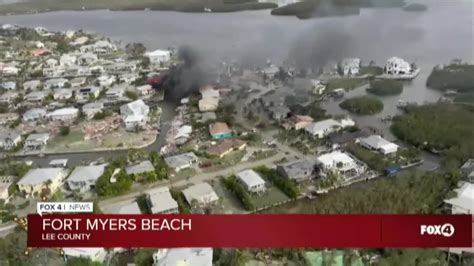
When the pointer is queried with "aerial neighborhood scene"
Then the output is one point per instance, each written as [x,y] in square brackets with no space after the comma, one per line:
[235,107]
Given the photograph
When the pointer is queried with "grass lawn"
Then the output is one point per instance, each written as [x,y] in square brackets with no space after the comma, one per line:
[185,173]
[345,83]
[371,70]
[465,98]
[230,159]
[272,196]
[229,203]
[74,140]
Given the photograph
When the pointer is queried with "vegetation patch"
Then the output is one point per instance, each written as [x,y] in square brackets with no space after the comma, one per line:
[345,83]
[362,105]
[287,186]
[459,77]
[385,87]
[231,184]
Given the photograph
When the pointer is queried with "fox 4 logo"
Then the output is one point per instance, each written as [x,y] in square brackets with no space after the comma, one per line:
[446,230]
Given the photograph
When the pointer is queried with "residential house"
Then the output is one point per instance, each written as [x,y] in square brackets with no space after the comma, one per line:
[9,85]
[349,66]
[181,161]
[270,71]
[251,181]
[208,104]
[201,194]
[31,85]
[42,31]
[67,114]
[78,81]
[120,67]
[100,47]
[34,114]
[342,139]
[87,59]
[9,139]
[158,57]
[220,130]
[105,80]
[145,90]
[298,171]
[62,163]
[7,118]
[67,60]
[8,97]
[87,93]
[80,41]
[83,178]
[128,77]
[182,134]
[463,202]
[90,109]
[115,93]
[135,114]
[93,254]
[226,146]
[338,162]
[36,180]
[297,122]
[5,183]
[62,94]
[51,62]
[36,141]
[378,144]
[397,66]
[183,257]
[161,202]
[467,169]
[36,97]
[75,71]
[55,83]
[323,128]
[54,72]
[10,71]
[140,169]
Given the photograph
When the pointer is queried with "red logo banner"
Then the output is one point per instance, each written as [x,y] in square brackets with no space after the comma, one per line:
[240,231]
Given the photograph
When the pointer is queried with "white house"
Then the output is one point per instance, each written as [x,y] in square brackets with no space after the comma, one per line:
[75,71]
[161,202]
[10,71]
[251,181]
[397,66]
[5,183]
[128,77]
[158,57]
[121,67]
[31,84]
[463,202]
[93,254]
[78,81]
[323,128]
[144,90]
[67,60]
[36,96]
[183,257]
[115,93]
[87,59]
[62,94]
[34,114]
[36,141]
[7,118]
[90,109]
[181,161]
[55,71]
[100,47]
[64,114]
[9,85]
[8,97]
[338,162]
[349,66]
[201,194]
[51,62]
[85,94]
[105,81]
[83,178]
[378,144]
[208,104]
[135,114]
[9,139]
[41,178]
[55,83]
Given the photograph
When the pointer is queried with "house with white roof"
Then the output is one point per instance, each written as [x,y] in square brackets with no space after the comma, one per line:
[145,90]
[161,202]
[323,128]
[100,47]
[31,84]
[34,114]
[83,178]
[397,66]
[9,139]
[7,118]
[86,93]
[8,97]
[210,99]
[251,181]
[378,144]
[5,183]
[90,109]
[158,57]
[62,94]
[67,60]
[10,71]
[135,114]
[67,114]
[105,80]
[183,257]
[139,169]
[93,254]
[75,70]
[463,202]
[78,81]
[51,62]
[120,67]
[201,194]
[36,141]
[349,66]
[128,77]
[36,97]
[54,71]
[338,162]
[87,59]
[115,93]
[9,85]
[55,83]
[41,178]
[181,161]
